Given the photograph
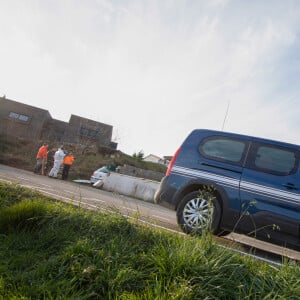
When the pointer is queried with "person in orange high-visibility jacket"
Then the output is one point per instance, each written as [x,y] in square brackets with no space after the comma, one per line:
[67,163]
[41,159]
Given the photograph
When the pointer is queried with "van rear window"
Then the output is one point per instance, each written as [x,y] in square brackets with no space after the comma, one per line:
[223,149]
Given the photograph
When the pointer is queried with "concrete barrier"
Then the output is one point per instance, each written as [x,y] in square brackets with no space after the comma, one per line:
[139,188]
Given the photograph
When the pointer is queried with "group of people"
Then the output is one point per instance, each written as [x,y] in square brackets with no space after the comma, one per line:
[60,157]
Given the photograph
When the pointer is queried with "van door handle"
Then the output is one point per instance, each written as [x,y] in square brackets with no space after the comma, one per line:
[290,186]
[219,167]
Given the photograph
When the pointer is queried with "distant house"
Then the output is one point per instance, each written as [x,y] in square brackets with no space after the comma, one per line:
[32,123]
[154,158]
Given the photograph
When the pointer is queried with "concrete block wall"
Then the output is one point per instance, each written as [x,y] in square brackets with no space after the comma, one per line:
[139,188]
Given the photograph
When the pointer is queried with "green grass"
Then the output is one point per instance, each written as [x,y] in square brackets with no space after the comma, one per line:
[50,250]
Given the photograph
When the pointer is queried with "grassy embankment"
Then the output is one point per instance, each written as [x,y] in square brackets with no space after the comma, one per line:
[50,250]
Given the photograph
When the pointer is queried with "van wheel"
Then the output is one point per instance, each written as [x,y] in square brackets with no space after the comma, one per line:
[198,211]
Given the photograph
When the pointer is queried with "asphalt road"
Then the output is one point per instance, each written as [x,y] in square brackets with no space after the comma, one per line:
[86,196]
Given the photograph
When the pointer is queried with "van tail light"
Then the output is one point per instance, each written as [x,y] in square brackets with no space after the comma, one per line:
[171,164]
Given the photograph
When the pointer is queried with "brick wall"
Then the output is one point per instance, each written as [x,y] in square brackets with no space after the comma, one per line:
[32,123]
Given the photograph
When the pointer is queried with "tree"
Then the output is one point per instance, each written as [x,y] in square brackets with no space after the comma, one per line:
[138,156]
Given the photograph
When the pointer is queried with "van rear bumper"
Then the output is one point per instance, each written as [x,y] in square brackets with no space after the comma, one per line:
[165,194]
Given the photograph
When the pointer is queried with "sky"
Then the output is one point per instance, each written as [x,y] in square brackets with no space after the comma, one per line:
[157,69]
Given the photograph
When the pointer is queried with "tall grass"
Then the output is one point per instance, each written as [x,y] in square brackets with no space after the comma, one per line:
[50,250]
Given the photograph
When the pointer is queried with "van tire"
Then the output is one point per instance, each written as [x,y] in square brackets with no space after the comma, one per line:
[199,211]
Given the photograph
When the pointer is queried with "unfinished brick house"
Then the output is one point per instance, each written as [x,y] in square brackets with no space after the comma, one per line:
[36,124]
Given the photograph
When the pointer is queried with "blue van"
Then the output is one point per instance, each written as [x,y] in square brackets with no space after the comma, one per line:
[227,182]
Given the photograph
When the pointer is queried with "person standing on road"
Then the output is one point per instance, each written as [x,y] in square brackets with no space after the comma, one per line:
[58,159]
[67,162]
[41,159]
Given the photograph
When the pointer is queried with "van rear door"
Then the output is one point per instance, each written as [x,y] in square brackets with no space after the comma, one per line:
[221,163]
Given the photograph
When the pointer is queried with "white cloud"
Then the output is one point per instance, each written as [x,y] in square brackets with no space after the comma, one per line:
[155,70]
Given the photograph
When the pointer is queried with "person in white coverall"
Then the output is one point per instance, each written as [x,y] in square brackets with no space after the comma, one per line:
[58,159]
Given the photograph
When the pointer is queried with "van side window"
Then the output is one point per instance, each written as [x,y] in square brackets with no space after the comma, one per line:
[273,160]
[223,149]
